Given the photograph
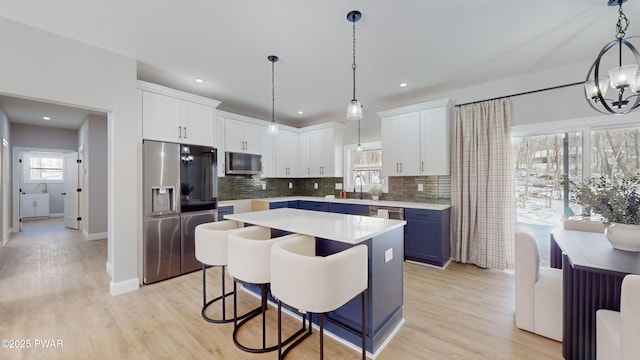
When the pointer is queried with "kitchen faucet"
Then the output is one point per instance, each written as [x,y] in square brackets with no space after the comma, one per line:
[354,184]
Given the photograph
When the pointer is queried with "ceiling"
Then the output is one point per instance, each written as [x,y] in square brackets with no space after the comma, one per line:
[433,46]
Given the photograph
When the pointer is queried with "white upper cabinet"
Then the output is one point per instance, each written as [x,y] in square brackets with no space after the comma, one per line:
[174,116]
[286,160]
[434,142]
[401,145]
[321,150]
[305,155]
[220,145]
[198,124]
[415,139]
[242,136]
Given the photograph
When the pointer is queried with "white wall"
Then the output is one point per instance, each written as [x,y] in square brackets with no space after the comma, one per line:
[42,66]
[5,188]
[542,107]
[93,137]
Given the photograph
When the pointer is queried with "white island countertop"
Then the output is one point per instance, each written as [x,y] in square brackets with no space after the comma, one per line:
[351,229]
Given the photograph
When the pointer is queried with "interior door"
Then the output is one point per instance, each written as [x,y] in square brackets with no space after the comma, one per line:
[70,193]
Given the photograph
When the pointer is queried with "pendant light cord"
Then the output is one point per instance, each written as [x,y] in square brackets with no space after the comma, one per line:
[353,66]
[273,92]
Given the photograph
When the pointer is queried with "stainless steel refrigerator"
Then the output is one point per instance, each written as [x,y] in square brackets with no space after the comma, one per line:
[180,192]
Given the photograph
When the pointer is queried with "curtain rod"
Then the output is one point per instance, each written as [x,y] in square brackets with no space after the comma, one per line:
[523,93]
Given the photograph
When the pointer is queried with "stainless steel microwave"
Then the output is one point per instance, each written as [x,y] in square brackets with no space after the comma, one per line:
[242,164]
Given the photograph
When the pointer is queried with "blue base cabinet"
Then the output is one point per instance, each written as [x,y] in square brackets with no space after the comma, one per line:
[224,210]
[313,205]
[350,209]
[427,236]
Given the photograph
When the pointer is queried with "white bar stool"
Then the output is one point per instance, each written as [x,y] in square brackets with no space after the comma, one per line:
[249,262]
[211,250]
[316,284]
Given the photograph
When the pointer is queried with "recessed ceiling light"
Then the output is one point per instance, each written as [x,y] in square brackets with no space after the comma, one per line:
[403,85]
[199,81]
[300,112]
[46,118]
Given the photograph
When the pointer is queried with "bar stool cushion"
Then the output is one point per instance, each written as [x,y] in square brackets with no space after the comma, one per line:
[313,283]
[248,254]
[211,241]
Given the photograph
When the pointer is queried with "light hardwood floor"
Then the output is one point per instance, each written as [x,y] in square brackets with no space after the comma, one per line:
[53,286]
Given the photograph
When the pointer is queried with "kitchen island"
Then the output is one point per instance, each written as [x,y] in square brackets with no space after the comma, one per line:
[384,239]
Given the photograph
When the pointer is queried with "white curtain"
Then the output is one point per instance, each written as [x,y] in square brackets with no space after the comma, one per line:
[483,219]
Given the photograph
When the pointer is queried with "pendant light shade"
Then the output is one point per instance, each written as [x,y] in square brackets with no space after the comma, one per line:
[354,111]
[273,129]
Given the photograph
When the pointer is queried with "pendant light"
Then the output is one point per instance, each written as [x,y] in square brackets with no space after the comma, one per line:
[623,80]
[354,111]
[273,126]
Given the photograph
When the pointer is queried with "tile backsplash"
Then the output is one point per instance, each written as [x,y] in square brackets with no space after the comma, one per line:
[245,187]
[435,189]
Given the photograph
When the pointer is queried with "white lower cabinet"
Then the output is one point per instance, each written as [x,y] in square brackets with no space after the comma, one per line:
[34,205]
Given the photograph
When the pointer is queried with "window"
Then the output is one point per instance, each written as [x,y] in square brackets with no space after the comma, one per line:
[363,167]
[43,167]
[615,153]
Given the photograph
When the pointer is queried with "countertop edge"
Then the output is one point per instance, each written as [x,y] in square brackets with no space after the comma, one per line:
[389,203]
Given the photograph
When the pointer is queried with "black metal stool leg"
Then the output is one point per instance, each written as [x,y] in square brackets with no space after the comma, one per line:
[321,322]
[304,331]
[224,309]
[222,298]
[204,285]
[262,309]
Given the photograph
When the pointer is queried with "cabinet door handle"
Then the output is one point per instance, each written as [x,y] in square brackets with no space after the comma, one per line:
[185,132]
[397,167]
[179,132]
[400,167]
[308,171]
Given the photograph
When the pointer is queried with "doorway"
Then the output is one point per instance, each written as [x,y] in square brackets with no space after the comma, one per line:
[48,185]
[66,130]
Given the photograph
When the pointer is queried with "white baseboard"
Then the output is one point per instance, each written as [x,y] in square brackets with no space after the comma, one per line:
[122,287]
[56,215]
[94,236]
[110,269]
